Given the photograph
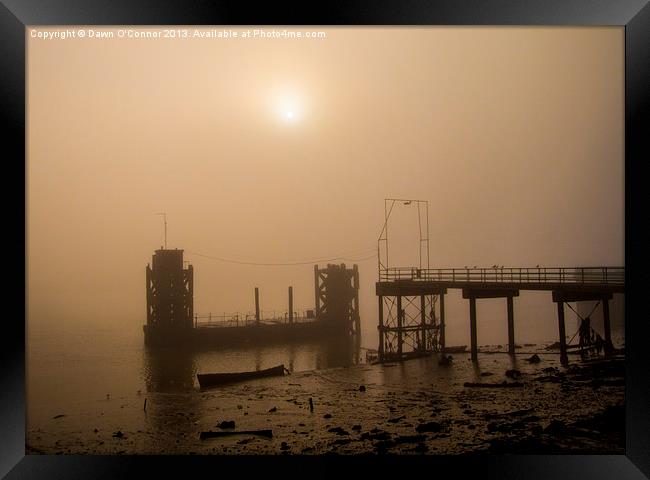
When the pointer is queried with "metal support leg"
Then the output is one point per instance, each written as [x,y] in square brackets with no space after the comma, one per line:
[423,322]
[608,329]
[380,327]
[511,327]
[564,360]
[290,304]
[472,328]
[442,320]
[400,322]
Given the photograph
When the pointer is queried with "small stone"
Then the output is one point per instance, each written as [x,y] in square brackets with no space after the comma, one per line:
[395,420]
[429,427]
[362,388]
[338,430]
[327,415]
[534,359]
[274,409]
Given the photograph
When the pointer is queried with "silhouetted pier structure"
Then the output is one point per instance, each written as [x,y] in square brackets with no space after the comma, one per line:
[171,319]
[407,297]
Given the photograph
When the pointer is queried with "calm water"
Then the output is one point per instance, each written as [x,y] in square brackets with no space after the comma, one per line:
[71,368]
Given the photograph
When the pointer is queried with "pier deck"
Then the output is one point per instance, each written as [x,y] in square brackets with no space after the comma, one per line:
[404,284]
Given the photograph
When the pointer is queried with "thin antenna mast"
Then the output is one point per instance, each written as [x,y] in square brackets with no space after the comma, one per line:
[165,221]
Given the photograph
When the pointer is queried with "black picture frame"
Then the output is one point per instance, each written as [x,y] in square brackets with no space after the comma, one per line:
[634,15]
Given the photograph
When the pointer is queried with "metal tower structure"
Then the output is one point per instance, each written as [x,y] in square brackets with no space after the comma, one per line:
[337,296]
[170,293]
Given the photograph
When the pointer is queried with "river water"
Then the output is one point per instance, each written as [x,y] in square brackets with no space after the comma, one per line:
[99,378]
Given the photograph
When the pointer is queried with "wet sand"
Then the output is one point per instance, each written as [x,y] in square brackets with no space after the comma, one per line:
[413,407]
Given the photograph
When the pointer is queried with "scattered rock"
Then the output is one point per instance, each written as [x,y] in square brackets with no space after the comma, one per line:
[520,413]
[555,427]
[536,430]
[227,424]
[514,374]
[410,439]
[429,427]
[375,436]
[338,431]
[384,445]
[534,359]
[421,448]
[445,360]
[503,384]
[342,441]
[397,419]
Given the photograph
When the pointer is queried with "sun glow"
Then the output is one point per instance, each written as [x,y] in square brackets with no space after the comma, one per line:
[289,107]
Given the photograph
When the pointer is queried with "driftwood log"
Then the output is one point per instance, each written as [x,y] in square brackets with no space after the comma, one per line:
[210,434]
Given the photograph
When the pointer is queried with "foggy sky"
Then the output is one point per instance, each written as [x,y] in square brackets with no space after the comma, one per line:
[513,135]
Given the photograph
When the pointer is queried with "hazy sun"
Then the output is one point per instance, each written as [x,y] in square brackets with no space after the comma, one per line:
[288,106]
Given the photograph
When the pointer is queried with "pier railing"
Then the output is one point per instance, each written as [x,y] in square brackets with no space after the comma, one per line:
[569,275]
[215,320]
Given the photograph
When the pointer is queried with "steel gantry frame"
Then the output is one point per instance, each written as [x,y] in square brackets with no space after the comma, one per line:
[408,322]
[423,211]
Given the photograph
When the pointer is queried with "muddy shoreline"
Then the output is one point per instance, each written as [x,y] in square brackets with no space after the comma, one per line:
[364,409]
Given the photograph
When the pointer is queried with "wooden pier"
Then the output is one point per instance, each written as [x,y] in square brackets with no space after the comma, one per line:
[405,321]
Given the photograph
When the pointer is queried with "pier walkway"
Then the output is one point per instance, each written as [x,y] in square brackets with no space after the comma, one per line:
[398,288]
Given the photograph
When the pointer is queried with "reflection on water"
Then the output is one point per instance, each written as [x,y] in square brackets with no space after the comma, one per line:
[173,370]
